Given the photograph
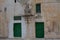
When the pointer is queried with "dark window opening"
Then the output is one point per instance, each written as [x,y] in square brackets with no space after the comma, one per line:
[15,1]
[38,8]
[17,17]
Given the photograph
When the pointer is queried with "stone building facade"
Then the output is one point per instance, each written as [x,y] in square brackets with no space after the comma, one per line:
[49,12]
[44,22]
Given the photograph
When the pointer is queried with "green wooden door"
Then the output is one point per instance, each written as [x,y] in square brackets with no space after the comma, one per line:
[39,26]
[17,29]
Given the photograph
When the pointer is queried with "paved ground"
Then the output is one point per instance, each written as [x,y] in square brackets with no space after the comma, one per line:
[29,39]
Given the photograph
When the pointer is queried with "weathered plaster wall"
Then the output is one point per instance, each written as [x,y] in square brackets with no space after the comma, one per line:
[51,16]
[15,9]
[50,11]
[3,20]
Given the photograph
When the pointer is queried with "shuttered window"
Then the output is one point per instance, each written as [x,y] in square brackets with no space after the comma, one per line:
[17,17]
[38,8]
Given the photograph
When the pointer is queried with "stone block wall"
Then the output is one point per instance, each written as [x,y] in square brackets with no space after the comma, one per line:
[50,10]
[3,21]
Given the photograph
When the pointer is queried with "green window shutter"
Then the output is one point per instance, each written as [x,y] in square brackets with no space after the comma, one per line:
[17,30]
[39,26]
[38,8]
[17,17]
